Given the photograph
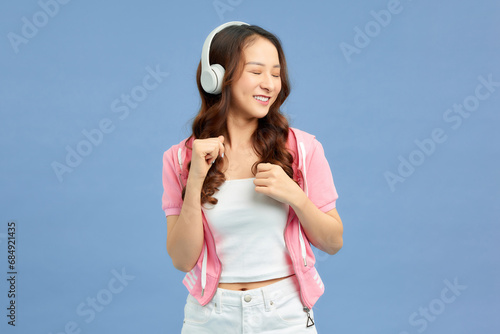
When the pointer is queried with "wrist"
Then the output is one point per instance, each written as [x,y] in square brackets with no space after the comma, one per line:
[195,181]
[298,200]
[194,187]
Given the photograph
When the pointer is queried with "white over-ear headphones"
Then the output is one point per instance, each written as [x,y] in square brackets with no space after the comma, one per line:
[212,75]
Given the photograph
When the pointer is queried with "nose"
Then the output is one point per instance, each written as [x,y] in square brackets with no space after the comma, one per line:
[267,82]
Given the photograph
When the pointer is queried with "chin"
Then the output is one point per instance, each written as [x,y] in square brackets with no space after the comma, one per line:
[262,115]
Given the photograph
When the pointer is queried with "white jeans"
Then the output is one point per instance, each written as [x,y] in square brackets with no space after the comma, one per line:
[275,308]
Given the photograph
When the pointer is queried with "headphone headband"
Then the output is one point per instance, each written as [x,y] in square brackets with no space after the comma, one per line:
[212,75]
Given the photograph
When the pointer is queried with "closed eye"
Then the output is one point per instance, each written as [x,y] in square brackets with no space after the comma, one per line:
[259,73]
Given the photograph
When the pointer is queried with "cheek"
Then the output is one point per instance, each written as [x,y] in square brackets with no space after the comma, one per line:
[278,88]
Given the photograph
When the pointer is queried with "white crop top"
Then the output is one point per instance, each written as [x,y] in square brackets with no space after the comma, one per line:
[248,228]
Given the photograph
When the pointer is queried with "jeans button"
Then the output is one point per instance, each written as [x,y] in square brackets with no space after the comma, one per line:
[247,298]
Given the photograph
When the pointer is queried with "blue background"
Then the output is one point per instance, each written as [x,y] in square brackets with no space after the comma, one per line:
[401,243]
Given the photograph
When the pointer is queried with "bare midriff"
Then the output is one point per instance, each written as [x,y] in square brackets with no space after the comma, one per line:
[250,285]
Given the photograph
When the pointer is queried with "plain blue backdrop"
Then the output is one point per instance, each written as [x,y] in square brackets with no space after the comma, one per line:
[403,95]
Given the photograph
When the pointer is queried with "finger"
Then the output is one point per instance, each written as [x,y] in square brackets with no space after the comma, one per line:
[261,182]
[261,190]
[264,166]
[208,157]
[262,175]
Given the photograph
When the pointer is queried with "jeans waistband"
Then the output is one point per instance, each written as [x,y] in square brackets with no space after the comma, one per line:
[264,295]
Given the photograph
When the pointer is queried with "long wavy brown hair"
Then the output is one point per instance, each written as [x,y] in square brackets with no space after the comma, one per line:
[270,138]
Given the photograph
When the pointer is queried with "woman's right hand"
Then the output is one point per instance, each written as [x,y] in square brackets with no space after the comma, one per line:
[205,151]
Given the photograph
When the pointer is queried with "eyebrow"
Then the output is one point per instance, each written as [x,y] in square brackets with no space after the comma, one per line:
[260,64]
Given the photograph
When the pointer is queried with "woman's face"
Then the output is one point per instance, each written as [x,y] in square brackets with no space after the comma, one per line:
[260,82]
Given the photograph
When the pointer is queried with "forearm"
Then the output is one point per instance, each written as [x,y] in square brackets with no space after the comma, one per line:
[185,238]
[324,231]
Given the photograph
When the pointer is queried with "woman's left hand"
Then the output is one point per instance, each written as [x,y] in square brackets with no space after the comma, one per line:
[272,181]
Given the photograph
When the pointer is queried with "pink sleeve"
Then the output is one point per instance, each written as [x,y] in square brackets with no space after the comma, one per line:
[321,189]
[172,189]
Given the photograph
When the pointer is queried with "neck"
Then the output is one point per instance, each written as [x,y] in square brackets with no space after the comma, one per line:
[240,131]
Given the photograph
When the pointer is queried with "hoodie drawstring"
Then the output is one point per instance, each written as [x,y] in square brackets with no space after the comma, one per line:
[204,271]
[179,157]
[301,237]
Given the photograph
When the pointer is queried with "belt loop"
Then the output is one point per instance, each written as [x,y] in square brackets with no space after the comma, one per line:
[266,295]
[218,301]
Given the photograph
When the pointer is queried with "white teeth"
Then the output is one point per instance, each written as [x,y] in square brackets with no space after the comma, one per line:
[261,98]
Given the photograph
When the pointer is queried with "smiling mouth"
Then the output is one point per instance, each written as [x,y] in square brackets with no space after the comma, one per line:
[261,98]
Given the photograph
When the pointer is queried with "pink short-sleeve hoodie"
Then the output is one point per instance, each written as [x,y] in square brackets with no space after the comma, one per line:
[311,170]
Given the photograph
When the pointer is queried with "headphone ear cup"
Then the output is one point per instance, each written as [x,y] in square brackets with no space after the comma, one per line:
[208,80]
[219,74]
[211,80]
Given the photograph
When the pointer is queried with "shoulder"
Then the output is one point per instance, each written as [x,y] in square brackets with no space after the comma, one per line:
[178,149]
[296,136]
[181,144]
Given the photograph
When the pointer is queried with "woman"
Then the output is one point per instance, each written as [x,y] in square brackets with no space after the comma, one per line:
[246,194]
